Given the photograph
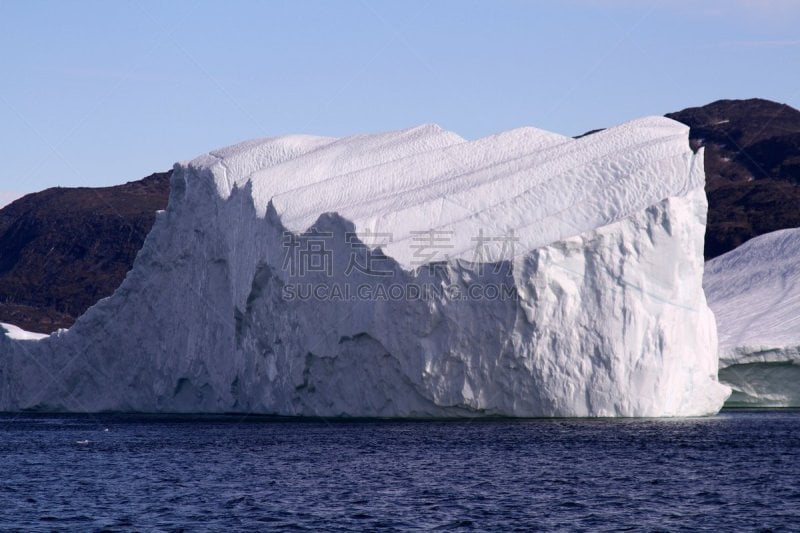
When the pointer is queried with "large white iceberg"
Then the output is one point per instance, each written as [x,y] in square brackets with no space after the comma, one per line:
[754,291]
[409,273]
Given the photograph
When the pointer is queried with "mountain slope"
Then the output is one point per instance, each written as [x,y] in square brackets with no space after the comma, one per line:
[752,164]
[63,249]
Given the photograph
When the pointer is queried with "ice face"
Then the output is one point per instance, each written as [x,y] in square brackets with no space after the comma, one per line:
[754,291]
[408,273]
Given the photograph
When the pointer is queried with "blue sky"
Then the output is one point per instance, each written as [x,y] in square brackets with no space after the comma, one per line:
[99,93]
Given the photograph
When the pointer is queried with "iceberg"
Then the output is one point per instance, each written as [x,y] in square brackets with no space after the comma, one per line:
[754,291]
[406,274]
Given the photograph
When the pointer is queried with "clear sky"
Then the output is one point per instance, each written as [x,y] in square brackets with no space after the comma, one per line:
[99,93]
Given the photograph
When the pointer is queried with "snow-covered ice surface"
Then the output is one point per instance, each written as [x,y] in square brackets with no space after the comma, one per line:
[523,274]
[754,291]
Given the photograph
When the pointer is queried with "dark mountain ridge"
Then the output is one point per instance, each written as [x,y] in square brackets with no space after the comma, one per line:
[63,249]
[752,163]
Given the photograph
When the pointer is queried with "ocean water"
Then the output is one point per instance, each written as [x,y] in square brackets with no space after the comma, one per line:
[739,470]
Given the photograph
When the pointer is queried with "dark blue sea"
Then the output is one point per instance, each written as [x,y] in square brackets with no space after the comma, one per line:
[739,470]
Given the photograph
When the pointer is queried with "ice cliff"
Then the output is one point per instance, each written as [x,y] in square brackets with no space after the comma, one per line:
[754,291]
[409,273]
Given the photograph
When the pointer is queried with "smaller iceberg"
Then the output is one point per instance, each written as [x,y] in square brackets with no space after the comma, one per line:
[754,292]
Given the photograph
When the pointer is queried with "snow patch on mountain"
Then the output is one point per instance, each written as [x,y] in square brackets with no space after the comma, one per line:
[17,333]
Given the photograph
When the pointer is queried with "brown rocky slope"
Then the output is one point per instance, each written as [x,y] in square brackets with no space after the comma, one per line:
[63,249]
[752,163]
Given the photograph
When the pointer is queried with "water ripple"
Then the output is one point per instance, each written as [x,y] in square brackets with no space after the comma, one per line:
[738,470]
